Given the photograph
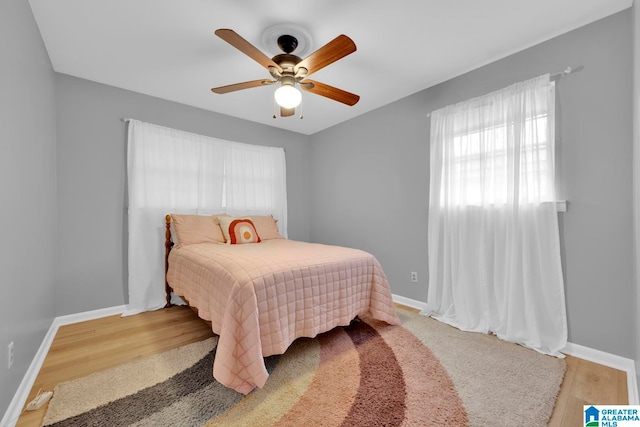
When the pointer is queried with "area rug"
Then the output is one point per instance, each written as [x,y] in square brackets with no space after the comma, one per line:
[366,374]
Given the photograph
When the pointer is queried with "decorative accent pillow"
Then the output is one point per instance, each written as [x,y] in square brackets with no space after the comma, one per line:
[267,227]
[224,221]
[242,230]
[191,229]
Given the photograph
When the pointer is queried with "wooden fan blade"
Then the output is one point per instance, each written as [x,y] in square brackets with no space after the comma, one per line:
[235,40]
[240,86]
[336,49]
[286,112]
[329,92]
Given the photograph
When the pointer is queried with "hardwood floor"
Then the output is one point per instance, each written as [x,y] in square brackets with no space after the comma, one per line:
[587,383]
[83,348]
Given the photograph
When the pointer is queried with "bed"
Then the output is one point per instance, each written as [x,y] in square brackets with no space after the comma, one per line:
[259,297]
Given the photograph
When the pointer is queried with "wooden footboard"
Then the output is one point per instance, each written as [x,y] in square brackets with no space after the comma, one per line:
[168,244]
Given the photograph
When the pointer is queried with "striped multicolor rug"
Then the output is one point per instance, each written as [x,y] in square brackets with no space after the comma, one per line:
[368,374]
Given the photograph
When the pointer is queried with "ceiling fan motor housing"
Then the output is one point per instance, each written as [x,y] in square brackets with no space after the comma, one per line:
[287,43]
[286,61]
[288,81]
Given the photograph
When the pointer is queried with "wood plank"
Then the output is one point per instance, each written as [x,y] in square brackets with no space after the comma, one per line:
[587,383]
[623,390]
[596,384]
[573,415]
[557,417]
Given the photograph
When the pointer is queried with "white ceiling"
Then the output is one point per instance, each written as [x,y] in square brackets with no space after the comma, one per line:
[167,49]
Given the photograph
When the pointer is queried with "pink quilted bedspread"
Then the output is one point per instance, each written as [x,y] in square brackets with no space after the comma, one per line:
[260,297]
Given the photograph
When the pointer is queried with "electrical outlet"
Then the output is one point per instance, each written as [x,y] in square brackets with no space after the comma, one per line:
[10,354]
[414,276]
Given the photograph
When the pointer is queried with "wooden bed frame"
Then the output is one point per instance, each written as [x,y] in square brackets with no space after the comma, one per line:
[168,244]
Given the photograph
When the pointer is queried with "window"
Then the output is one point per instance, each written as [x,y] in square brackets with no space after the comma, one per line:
[498,152]
[170,171]
[494,251]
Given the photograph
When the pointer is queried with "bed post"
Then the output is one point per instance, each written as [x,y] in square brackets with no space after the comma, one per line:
[168,244]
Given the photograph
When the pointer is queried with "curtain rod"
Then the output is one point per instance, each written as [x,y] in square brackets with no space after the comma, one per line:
[127,119]
[554,76]
[562,73]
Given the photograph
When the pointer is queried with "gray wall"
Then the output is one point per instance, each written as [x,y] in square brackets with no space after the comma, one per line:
[370,176]
[27,192]
[91,147]
[636,170]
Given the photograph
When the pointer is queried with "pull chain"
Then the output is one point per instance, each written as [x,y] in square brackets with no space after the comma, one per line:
[274,108]
[301,115]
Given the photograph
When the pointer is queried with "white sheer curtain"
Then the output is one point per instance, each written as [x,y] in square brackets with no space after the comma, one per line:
[494,251]
[171,171]
[259,189]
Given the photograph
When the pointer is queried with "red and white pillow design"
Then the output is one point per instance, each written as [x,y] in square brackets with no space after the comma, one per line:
[242,230]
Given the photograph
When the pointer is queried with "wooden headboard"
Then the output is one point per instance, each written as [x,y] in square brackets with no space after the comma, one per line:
[168,244]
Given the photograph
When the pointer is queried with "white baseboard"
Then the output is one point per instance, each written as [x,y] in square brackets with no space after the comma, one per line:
[88,315]
[20,398]
[610,360]
[419,305]
[576,350]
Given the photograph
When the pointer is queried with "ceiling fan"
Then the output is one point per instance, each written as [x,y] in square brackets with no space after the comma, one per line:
[290,71]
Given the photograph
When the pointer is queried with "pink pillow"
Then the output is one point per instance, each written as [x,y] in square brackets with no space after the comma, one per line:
[242,230]
[266,227]
[191,229]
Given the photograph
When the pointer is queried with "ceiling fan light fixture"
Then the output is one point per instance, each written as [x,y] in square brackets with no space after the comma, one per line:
[288,96]
[290,70]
